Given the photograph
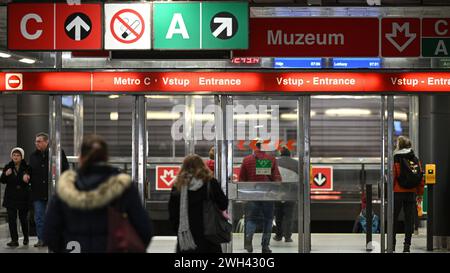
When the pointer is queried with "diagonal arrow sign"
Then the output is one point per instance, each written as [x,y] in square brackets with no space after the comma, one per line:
[396,29]
[78,23]
[226,24]
[320,179]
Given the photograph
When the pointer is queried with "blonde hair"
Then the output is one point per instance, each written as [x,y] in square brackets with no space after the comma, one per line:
[193,167]
[403,143]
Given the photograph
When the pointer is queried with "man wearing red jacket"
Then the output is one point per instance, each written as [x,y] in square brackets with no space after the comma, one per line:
[259,167]
[405,197]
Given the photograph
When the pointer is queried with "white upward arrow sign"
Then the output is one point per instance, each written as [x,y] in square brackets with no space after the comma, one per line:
[396,28]
[78,23]
[320,179]
[226,23]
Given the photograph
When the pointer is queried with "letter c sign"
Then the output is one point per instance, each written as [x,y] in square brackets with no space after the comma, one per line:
[23,26]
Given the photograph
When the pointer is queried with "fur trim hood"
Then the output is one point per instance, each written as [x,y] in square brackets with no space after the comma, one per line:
[99,197]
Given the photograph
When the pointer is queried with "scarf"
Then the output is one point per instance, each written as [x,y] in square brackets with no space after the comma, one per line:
[185,239]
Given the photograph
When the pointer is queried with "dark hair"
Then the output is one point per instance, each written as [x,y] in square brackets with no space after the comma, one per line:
[285,151]
[211,153]
[43,135]
[93,149]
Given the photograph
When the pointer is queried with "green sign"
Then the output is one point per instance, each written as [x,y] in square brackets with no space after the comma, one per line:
[435,47]
[225,25]
[195,25]
[263,167]
[425,200]
[176,26]
[444,63]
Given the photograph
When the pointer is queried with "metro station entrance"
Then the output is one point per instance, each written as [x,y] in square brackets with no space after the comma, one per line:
[341,154]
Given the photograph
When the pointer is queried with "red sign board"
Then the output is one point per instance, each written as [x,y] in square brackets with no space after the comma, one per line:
[230,82]
[322,178]
[312,37]
[436,27]
[30,27]
[400,37]
[78,27]
[165,177]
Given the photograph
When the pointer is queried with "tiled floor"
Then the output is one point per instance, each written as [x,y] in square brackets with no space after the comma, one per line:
[321,243]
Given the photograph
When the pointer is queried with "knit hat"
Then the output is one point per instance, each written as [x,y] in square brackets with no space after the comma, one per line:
[18,149]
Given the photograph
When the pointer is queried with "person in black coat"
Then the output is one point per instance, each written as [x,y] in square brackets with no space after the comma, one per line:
[39,181]
[17,195]
[77,216]
[186,205]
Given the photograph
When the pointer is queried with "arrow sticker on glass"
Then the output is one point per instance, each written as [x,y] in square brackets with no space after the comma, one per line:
[320,179]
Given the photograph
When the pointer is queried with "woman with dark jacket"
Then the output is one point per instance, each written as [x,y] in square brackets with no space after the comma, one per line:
[186,205]
[17,195]
[77,216]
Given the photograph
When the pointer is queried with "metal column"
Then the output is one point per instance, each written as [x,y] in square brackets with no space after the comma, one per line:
[301,177]
[54,153]
[303,149]
[78,123]
[223,155]
[383,176]
[390,184]
[189,125]
[139,146]
[414,123]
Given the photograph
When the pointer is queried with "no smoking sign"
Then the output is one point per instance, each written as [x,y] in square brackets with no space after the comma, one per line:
[127,26]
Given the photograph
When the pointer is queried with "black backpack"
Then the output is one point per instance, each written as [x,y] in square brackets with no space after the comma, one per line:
[410,173]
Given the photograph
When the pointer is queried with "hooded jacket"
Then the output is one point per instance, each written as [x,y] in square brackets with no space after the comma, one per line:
[78,211]
[17,192]
[408,154]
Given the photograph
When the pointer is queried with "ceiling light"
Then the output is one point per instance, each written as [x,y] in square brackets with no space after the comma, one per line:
[162,115]
[400,115]
[4,55]
[252,116]
[347,112]
[294,116]
[157,97]
[114,116]
[114,96]
[27,61]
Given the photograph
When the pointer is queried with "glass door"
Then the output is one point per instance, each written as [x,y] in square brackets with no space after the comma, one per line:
[264,179]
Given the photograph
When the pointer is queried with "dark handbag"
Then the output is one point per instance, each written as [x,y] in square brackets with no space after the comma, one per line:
[122,236]
[217,229]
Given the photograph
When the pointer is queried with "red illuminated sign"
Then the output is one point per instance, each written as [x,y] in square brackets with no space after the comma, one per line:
[234,82]
[78,26]
[165,177]
[322,178]
[243,60]
[30,27]
[400,37]
[435,27]
[312,37]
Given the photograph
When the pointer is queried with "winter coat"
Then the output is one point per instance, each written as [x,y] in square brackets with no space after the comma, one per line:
[78,211]
[408,154]
[17,192]
[39,173]
[248,168]
[195,210]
